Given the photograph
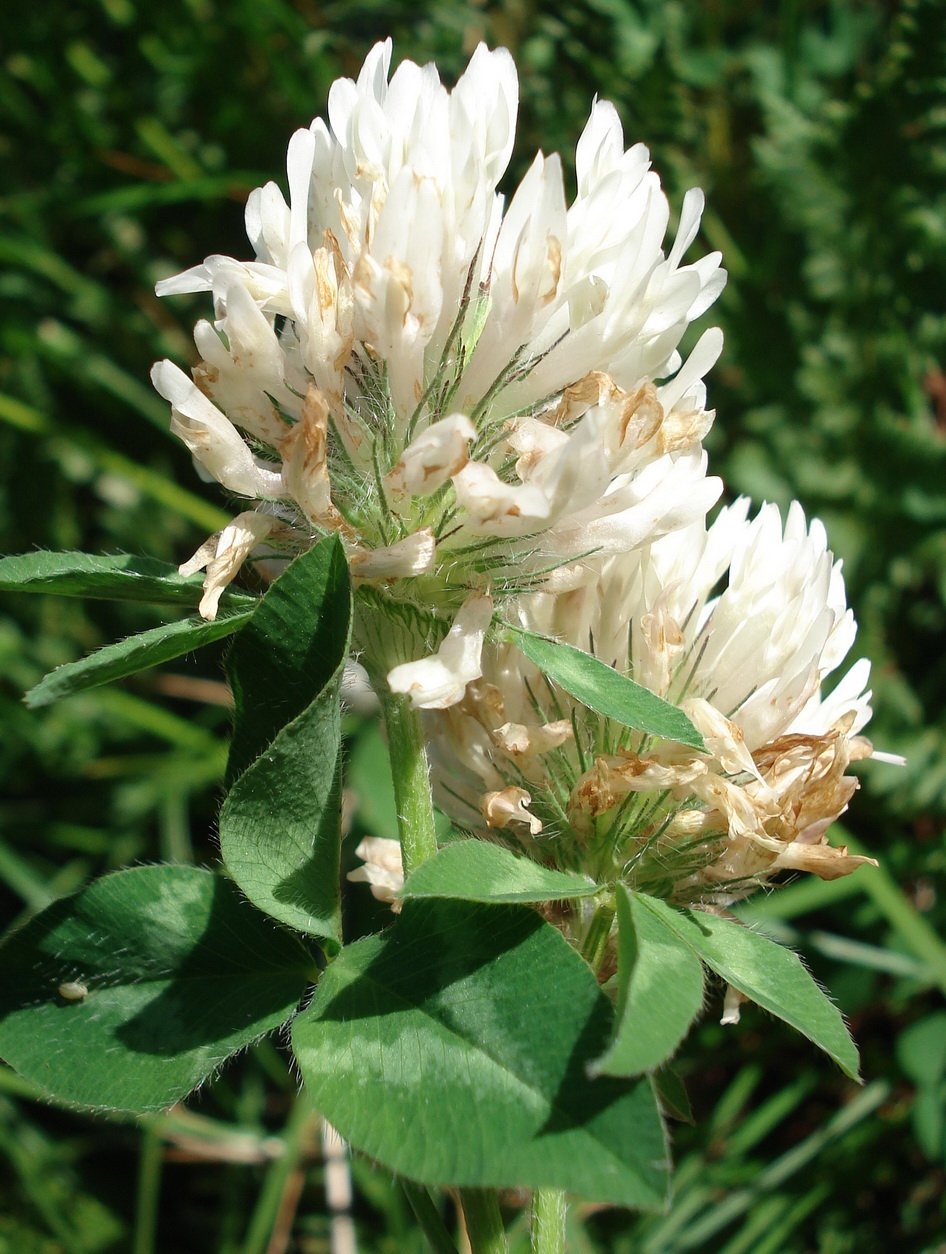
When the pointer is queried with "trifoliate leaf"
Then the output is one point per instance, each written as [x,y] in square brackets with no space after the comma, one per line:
[767,973]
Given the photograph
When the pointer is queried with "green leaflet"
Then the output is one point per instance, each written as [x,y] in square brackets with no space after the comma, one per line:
[769,974]
[136,653]
[280,824]
[475,870]
[296,643]
[454,1048]
[605,690]
[672,1095]
[114,577]
[660,990]
[129,993]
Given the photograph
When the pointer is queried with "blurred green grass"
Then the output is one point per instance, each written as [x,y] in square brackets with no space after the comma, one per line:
[131,134]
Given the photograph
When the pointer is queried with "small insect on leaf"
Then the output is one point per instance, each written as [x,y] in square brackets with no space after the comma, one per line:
[72,990]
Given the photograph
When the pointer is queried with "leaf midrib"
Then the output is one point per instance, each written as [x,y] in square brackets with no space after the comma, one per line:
[550,1105]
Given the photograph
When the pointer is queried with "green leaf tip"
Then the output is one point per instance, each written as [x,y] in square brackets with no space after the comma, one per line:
[133,654]
[112,576]
[607,691]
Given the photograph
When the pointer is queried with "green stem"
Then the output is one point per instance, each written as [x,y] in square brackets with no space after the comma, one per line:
[415,808]
[484,1223]
[595,943]
[175,829]
[149,1189]
[548,1221]
[295,1134]
[434,1229]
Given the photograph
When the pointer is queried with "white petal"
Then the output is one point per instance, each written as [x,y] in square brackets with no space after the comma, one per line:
[731,1006]
[414,555]
[437,682]
[704,356]
[247,374]
[383,869]
[690,214]
[212,438]
[265,283]
[440,451]
[495,508]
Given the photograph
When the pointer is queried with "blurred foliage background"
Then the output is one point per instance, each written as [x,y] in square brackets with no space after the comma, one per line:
[131,134]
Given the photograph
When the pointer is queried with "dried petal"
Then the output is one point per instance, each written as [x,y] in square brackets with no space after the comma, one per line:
[522,740]
[509,806]
[223,555]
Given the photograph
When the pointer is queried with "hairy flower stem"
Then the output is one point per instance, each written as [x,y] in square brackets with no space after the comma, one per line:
[484,1224]
[408,752]
[415,821]
[548,1221]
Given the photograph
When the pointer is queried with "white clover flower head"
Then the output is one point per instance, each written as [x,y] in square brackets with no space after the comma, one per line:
[740,623]
[478,397]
